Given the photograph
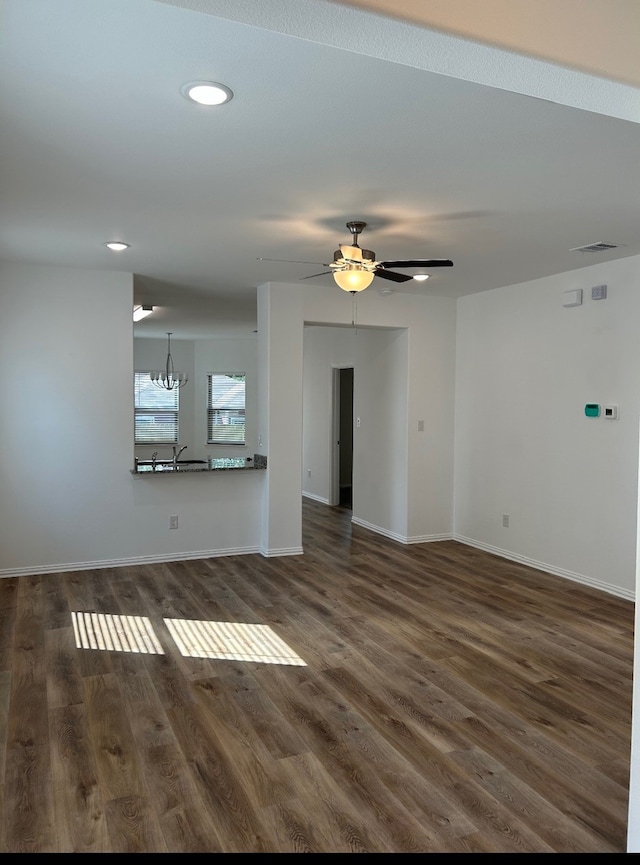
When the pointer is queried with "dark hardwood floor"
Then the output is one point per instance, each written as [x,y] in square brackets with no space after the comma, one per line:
[440,699]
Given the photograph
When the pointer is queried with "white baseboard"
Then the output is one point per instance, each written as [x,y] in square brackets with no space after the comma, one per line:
[549,569]
[315,498]
[33,570]
[401,539]
[290,551]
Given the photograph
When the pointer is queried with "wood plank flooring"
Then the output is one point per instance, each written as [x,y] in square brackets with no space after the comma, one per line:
[445,701]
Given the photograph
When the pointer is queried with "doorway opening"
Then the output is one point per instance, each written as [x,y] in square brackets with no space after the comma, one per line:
[342,433]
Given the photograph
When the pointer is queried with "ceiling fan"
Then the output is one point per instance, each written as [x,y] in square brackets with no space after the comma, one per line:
[354,268]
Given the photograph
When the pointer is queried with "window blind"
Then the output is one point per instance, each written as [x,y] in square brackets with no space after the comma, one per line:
[226,408]
[155,412]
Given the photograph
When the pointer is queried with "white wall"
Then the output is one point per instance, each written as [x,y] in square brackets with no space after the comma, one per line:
[67,496]
[380,443]
[526,366]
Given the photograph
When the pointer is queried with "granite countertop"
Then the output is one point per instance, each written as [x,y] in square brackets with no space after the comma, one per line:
[212,464]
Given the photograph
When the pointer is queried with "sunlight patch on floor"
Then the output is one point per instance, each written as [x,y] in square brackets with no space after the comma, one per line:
[114,633]
[231,641]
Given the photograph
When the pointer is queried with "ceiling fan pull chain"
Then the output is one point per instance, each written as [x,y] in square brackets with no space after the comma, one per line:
[354,310]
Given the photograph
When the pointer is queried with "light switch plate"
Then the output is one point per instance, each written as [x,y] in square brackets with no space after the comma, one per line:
[572,298]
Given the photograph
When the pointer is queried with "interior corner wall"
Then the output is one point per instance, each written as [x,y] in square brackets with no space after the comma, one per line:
[526,366]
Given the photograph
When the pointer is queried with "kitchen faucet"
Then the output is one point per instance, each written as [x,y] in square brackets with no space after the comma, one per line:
[176,454]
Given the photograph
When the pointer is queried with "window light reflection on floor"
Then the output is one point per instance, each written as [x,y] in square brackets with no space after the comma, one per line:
[114,633]
[231,641]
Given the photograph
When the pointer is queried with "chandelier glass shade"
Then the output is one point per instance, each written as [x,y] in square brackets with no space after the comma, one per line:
[353,278]
[168,378]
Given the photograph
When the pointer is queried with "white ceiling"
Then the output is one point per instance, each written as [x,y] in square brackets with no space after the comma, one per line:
[446,148]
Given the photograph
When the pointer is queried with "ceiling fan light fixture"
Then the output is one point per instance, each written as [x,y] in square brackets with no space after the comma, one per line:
[353,278]
[420,277]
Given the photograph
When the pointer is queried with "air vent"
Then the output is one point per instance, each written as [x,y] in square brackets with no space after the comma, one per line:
[600,246]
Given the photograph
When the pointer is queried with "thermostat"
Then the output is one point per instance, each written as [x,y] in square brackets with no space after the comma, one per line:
[592,409]
[611,411]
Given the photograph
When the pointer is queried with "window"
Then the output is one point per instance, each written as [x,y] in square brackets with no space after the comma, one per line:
[155,412]
[226,408]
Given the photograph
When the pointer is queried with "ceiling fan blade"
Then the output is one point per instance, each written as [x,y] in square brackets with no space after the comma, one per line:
[394,277]
[290,261]
[324,273]
[419,262]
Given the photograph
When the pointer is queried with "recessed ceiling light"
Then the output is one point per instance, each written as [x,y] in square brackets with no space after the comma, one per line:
[420,277]
[207,93]
[116,245]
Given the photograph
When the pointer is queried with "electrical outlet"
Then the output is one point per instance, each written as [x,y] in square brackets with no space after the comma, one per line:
[505,520]
[173,522]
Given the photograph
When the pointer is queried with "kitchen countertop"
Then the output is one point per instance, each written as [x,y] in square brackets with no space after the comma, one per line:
[212,464]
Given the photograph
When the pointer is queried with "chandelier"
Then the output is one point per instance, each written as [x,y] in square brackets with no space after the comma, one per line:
[167,378]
